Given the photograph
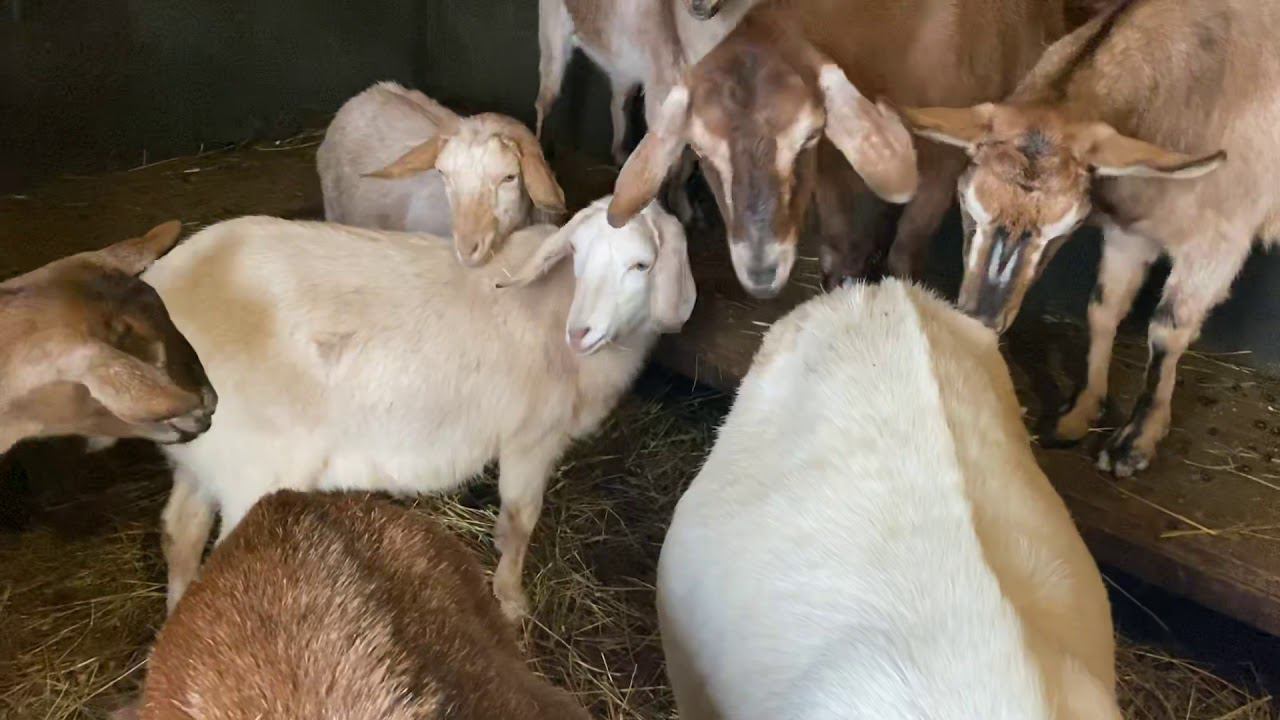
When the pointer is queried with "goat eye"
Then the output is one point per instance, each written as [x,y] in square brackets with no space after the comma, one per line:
[510,178]
[641,266]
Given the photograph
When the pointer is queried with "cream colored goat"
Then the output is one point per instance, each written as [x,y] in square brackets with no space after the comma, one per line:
[357,359]
[394,159]
[871,536]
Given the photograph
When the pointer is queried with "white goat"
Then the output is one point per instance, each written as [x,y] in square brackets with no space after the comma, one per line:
[394,159]
[871,536]
[359,359]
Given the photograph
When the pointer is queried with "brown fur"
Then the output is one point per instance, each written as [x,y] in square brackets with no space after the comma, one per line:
[86,348]
[342,606]
[763,80]
[1182,91]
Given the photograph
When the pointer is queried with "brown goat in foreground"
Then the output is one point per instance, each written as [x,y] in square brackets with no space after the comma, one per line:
[1091,135]
[342,606]
[756,109]
[87,348]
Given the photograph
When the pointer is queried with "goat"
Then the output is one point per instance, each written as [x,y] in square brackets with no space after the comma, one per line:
[86,348]
[1095,133]
[394,159]
[757,105]
[871,535]
[357,359]
[342,605]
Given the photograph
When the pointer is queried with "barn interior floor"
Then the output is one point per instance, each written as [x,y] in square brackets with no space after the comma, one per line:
[1202,523]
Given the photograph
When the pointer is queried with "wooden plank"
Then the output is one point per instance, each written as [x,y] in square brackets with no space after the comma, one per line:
[1203,522]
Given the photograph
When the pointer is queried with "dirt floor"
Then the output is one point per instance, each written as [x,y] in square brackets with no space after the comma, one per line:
[81,577]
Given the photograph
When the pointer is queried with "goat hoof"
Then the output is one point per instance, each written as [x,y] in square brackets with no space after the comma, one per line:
[1122,457]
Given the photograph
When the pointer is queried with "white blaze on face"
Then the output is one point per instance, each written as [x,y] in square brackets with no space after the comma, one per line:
[981,220]
[713,149]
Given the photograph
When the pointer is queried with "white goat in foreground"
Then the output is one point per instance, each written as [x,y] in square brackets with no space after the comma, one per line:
[871,536]
[394,159]
[356,359]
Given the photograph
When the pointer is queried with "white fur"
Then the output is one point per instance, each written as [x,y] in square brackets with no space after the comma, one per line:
[871,536]
[379,125]
[358,359]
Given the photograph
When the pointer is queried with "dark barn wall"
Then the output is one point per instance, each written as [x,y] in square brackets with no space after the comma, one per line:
[89,85]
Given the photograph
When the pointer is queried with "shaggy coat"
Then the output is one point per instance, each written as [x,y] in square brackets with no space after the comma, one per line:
[342,606]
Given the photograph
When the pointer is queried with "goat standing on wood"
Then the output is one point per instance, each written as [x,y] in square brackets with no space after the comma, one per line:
[360,359]
[756,108]
[1092,134]
[87,348]
[871,536]
[394,159]
[342,606]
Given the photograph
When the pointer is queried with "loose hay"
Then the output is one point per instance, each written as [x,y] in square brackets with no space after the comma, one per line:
[77,613]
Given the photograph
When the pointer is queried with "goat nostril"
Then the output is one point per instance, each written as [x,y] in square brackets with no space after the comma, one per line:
[577,335]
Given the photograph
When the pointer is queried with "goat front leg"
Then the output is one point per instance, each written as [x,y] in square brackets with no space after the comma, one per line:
[1126,259]
[555,47]
[621,92]
[1200,279]
[923,215]
[186,521]
[523,471]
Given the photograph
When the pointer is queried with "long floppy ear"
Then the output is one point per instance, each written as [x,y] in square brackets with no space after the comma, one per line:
[132,390]
[420,159]
[554,248]
[135,255]
[539,180]
[673,293]
[1111,154]
[644,171]
[961,127]
[871,136]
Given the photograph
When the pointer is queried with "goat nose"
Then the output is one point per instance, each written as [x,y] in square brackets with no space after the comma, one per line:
[577,335]
[762,279]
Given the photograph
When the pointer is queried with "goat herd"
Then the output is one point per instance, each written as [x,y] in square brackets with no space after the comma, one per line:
[870,536]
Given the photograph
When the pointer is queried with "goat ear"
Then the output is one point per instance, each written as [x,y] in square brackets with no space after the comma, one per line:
[961,127]
[132,390]
[645,170]
[420,159]
[539,180]
[135,255]
[871,136]
[1111,154]
[554,248]
[673,293]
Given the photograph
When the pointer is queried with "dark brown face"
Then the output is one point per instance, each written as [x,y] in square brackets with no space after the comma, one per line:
[91,350]
[754,122]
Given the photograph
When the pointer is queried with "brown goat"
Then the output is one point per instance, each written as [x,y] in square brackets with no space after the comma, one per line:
[1089,135]
[348,606]
[87,348]
[755,107]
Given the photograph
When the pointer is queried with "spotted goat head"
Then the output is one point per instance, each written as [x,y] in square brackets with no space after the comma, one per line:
[754,110]
[1028,187]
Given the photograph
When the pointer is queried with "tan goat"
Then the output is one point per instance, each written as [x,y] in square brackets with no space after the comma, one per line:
[342,606]
[757,105]
[1092,134]
[86,348]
